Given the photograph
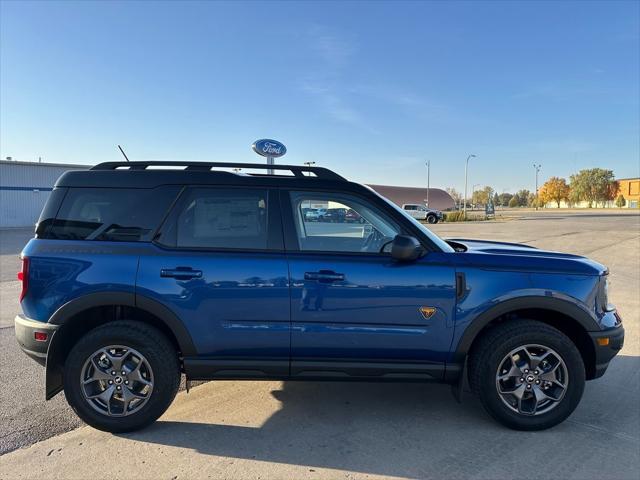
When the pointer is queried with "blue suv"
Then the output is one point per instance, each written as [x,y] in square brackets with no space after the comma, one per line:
[140,272]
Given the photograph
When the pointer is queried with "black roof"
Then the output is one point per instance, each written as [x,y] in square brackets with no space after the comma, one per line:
[155,173]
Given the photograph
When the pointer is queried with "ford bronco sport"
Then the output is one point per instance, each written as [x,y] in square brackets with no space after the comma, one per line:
[142,271]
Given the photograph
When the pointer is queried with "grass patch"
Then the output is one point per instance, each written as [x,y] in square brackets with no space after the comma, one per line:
[459,217]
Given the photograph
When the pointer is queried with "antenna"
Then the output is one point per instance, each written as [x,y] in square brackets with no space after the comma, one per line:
[123,154]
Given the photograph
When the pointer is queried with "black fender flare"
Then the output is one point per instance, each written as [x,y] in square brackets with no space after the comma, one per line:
[58,347]
[565,307]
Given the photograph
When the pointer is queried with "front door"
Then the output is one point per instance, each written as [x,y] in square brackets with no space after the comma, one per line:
[355,311]
[219,266]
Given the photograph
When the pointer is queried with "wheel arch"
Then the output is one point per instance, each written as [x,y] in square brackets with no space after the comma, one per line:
[567,317]
[81,315]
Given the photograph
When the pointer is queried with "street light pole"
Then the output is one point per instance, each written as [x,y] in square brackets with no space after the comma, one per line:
[428,163]
[309,164]
[537,169]
[466,170]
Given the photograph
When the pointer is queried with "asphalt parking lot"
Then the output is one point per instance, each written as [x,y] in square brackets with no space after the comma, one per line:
[344,430]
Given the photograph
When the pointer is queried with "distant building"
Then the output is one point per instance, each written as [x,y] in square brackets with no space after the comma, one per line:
[24,189]
[630,190]
[438,199]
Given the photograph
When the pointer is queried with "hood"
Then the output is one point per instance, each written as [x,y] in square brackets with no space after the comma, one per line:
[517,256]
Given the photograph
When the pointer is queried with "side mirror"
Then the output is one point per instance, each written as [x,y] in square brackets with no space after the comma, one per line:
[406,248]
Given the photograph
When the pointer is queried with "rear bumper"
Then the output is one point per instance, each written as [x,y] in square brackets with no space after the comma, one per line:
[25,335]
[614,339]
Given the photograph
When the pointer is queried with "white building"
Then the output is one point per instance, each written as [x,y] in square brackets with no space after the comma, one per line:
[24,189]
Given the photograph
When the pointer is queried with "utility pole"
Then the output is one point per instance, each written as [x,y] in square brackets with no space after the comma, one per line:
[537,169]
[466,170]
[428,164]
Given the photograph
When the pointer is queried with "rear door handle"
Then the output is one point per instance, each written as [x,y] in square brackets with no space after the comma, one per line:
[324,276]
[181,273]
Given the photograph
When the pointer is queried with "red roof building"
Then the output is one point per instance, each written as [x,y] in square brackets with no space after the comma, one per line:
[438,199]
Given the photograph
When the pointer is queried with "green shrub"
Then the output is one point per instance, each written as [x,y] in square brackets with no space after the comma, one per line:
[620,201]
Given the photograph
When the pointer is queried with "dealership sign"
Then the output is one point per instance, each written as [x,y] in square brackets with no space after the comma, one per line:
[269,148]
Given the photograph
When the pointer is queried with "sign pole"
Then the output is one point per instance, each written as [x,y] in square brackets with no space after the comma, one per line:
[270,162]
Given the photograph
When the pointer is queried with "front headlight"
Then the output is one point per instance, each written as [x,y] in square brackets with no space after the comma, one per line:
[603,295]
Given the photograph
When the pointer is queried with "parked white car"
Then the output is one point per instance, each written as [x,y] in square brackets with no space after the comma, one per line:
[421,212]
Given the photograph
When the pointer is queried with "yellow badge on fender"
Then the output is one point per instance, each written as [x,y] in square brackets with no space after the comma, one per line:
[427,312]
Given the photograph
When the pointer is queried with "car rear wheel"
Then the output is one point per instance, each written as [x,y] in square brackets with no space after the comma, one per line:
[529,375]
[121,376]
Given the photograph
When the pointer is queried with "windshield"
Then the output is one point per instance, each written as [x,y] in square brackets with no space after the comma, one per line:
[444,246]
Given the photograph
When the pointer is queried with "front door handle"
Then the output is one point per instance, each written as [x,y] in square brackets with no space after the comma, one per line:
[325,276]
[181,273]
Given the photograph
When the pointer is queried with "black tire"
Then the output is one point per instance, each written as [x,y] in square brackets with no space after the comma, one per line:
[487,355]
[157,350]
[432,219]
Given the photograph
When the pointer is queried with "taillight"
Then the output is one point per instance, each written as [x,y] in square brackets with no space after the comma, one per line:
[23,276]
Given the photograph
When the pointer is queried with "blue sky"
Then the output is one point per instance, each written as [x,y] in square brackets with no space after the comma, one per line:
[368,89]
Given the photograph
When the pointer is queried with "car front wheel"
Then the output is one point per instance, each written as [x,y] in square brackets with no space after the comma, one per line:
[432,219]
[121,376]
[529,375]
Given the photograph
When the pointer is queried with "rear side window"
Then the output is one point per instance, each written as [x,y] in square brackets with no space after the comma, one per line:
[49,212]
[219,218]
[111,214]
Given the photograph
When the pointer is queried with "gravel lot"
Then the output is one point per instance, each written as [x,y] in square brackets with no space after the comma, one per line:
[347,430]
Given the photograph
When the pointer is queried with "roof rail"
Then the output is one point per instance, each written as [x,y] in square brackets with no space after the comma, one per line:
[297,170]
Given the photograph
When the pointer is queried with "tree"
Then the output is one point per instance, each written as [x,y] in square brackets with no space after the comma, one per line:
[488,192]
[594,185]
[523,197]
[574,197]
[513,202]
[614,188]
[620,201]
[496,199]
[457,196]
[554,190]
[504,199]
[483,196]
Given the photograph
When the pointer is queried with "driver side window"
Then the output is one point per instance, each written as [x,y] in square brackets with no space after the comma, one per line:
[340,223]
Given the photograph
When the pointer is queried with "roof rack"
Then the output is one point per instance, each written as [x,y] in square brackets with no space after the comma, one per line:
[297,170]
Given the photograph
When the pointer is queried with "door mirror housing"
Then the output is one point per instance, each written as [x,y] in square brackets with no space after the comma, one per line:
[406,248]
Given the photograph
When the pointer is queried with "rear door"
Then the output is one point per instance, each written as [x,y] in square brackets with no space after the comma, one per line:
[355,311]
[219,265]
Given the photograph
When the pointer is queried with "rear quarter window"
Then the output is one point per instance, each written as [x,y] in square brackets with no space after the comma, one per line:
[49,212]
[219,218]
[111,214]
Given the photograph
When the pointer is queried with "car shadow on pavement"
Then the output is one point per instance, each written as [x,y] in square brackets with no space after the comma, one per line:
[396,429]
[380,428]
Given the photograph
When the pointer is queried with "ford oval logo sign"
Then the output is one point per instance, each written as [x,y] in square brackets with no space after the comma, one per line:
[269,148]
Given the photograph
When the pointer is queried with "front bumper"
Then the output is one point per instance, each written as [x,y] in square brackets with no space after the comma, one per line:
[26,330]
[607,343]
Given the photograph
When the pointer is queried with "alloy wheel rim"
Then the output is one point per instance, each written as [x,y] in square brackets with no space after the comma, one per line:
[532,379]
[116,380]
